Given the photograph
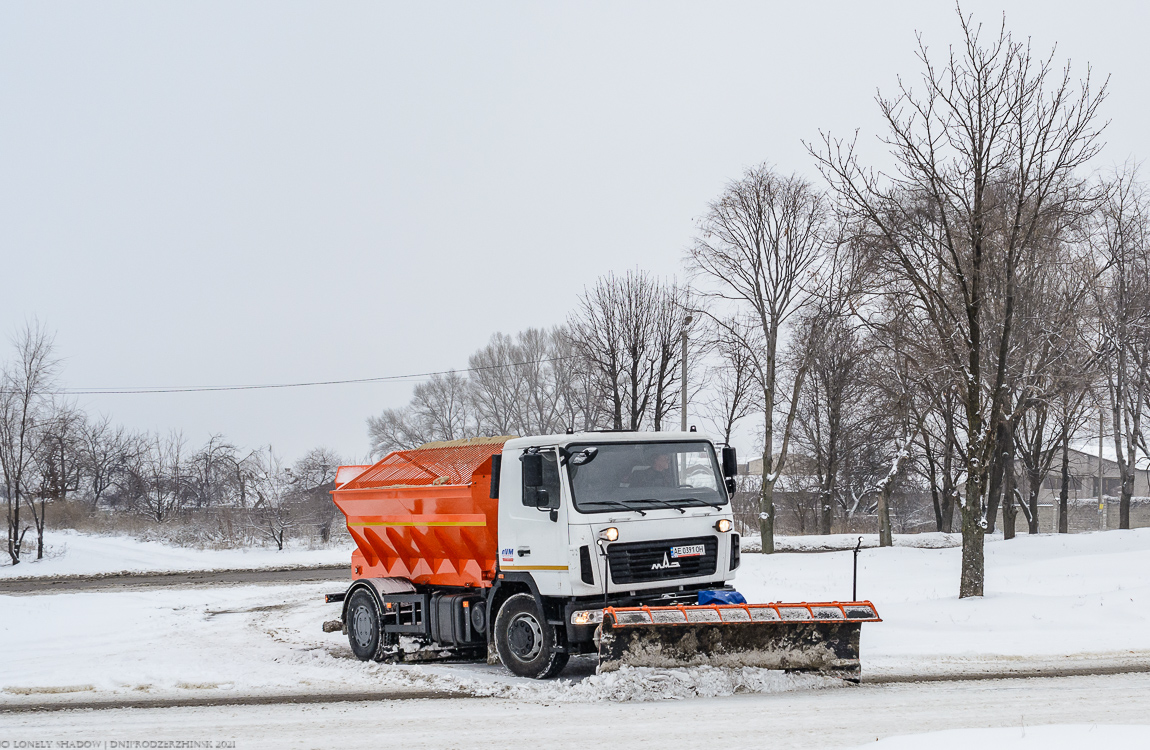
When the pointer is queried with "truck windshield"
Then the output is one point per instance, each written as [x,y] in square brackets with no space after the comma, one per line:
[646,476]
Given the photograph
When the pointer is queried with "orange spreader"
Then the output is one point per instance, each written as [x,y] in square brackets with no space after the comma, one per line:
[424,514]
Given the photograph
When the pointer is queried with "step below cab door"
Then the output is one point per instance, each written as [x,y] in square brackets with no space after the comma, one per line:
[530,541]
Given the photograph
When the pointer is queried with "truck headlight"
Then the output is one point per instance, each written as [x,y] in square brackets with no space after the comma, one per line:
[609,534]
[587,617]
[723,524]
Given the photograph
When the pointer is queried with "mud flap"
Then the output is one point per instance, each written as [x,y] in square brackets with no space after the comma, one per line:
[822,638]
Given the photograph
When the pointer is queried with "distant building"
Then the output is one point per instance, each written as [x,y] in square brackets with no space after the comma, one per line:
[1083,464]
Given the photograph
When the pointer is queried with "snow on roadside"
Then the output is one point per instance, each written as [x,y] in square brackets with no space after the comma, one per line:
[71,553]
[645,684]
[836,542]
[1047,737]
[1051,602]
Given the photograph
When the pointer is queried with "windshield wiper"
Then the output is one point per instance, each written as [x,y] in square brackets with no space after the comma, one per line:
[614,503]
[661,503]
[716,506]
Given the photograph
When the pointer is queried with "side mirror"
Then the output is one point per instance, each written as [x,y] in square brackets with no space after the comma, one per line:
[584,457]
[496,465]
[730,462]
[731,486]
[532,469]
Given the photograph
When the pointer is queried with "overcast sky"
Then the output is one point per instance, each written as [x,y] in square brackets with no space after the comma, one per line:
[245,193]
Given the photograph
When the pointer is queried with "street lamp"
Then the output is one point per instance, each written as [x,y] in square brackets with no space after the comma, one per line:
[688,317]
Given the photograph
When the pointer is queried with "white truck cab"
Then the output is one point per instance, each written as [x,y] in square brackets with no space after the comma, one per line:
[598,519]
[664,495]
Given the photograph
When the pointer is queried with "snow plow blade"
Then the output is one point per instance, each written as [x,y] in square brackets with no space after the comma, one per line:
[821,637]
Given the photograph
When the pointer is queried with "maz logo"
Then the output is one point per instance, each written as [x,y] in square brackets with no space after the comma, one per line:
[665,564]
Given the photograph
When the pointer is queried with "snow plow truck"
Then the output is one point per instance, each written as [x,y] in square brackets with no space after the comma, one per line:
[529,550]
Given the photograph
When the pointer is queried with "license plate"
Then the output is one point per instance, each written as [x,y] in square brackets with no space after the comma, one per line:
[688,550]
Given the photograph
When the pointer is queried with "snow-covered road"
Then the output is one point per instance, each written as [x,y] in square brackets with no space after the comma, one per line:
[841,718]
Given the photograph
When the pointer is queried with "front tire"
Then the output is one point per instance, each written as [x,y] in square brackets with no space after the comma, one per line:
[363,631]
[525,641]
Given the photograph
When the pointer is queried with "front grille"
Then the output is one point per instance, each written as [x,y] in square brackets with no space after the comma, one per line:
[637,562]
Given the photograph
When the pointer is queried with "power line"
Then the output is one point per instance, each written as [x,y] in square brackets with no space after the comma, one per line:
[119,391]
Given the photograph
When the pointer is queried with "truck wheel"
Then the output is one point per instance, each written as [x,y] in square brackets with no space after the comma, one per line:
[363,625]
[526,643]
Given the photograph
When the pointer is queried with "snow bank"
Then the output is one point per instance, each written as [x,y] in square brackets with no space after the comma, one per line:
[70,553]
[1050,737]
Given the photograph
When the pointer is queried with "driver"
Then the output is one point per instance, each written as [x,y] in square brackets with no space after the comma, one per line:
[658,474]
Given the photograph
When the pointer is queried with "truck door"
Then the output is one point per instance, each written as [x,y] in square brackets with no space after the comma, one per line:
[529,540]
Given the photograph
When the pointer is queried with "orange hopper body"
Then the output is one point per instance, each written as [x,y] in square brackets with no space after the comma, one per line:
[424,514]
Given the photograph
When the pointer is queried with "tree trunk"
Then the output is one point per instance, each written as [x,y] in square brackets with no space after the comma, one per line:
[1064,490]
[1009,510]
[996,472]
[1127,492]
[767,512]
[973,531]
[40,530]
[884,533]
[932,478]
[1035,484]
[948,503]
[825,495]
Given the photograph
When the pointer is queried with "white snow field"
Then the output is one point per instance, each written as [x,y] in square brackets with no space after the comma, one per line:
[70,553]
[1068,603]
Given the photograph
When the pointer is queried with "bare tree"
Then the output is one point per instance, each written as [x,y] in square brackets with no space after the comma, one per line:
[1057,365]
[210,472]
[1123,237]
[757,246]
[986,159]
[158,478]
[314,477]
[440,409]
[274,486]
[522,385]
[732,386]
[57,465]
[832,408]
[626,333]
[105,454]
[24,392]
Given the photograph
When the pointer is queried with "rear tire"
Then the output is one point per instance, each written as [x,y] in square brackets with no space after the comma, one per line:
[363,625]
[525,641]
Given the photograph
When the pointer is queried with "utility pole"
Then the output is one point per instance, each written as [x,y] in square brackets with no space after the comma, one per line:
[687,318]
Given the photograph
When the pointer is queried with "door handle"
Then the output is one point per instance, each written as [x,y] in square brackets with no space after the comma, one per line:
[524,551]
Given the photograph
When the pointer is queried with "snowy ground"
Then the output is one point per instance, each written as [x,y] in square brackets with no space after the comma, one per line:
[70,553]
[1050,737]
[1021,715]
[1053,602]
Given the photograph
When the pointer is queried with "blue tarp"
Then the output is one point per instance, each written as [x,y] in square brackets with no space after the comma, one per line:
[721,596]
